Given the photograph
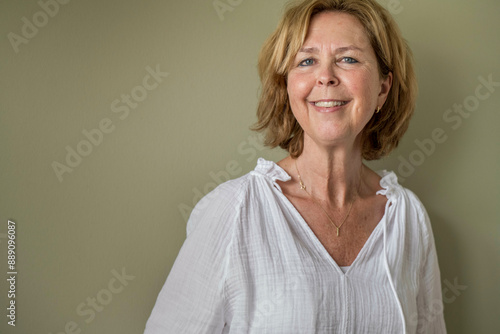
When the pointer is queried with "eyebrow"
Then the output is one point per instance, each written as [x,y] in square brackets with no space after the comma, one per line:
[338,50]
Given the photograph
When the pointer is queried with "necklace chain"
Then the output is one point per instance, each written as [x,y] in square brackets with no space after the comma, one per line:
[303,187]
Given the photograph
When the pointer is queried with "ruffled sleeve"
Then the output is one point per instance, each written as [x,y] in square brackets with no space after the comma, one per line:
[389,184]
[271,170]
[429,317]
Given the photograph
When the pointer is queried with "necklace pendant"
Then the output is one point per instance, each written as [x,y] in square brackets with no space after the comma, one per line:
[303,187]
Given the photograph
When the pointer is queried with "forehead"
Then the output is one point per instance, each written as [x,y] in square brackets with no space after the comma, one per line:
[336,28]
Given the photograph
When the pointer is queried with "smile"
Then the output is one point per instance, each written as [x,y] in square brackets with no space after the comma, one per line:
[329,104]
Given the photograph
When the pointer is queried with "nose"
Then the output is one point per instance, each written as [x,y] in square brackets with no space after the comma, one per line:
[327,77]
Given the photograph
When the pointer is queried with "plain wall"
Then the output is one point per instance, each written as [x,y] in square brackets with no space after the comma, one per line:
[123,207]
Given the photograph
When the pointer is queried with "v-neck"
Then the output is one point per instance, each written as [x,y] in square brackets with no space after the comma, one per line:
[319,246]
[277,173]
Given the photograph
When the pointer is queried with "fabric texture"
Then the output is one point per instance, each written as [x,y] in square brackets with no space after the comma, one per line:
[251,264]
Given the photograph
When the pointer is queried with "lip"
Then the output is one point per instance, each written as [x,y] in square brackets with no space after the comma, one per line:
[328,109]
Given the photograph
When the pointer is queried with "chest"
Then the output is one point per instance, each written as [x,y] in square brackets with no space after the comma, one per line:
[343,240]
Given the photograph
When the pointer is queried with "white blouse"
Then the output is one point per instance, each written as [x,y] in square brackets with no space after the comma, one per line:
[251,264]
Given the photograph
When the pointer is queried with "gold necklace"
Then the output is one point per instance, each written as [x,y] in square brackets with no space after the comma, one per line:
[302,186]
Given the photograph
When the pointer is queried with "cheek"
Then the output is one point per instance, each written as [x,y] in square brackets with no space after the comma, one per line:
[298,87]
[372,83]
[366,87]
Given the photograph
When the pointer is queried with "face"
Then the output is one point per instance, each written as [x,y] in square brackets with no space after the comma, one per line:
[334,86]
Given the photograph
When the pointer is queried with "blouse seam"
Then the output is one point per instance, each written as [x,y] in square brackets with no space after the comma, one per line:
[239,196]
[425,238]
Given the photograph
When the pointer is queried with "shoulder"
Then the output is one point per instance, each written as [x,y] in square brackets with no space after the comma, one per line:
[399,195]
[226,202]
[408,211]
[219,205]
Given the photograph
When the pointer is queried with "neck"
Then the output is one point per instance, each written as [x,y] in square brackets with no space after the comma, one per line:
[332,175]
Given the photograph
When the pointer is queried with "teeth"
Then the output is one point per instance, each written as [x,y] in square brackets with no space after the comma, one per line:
[329,104]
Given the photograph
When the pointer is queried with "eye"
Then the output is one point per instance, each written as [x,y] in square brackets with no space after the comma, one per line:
[307,62]
[349,60]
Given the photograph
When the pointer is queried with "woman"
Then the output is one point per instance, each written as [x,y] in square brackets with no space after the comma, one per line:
[317,243]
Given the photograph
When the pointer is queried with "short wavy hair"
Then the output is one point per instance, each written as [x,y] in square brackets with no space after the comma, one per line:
[383,132]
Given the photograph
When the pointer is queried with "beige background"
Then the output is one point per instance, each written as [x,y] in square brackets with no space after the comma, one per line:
[122,207]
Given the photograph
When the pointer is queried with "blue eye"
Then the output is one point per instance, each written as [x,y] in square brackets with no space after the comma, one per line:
[349,60]
[307,62]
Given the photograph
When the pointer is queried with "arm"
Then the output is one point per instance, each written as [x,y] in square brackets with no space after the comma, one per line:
[192,301]
[429,298]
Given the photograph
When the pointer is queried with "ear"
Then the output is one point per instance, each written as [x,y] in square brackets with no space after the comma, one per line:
[385,88]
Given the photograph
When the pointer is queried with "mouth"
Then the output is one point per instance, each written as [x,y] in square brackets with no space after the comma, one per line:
[329,103]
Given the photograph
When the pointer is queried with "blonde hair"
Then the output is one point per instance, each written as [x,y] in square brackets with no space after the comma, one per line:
[383,132]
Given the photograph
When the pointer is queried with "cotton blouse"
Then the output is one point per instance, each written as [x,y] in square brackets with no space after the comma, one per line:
[251,264]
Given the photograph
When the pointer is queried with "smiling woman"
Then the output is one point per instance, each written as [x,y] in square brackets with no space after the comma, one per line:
[335,70]
[393,57]
[318,242]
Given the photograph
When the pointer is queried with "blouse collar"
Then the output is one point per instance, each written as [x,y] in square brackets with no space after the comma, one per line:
[389,184]
[389,181]
[272,170]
